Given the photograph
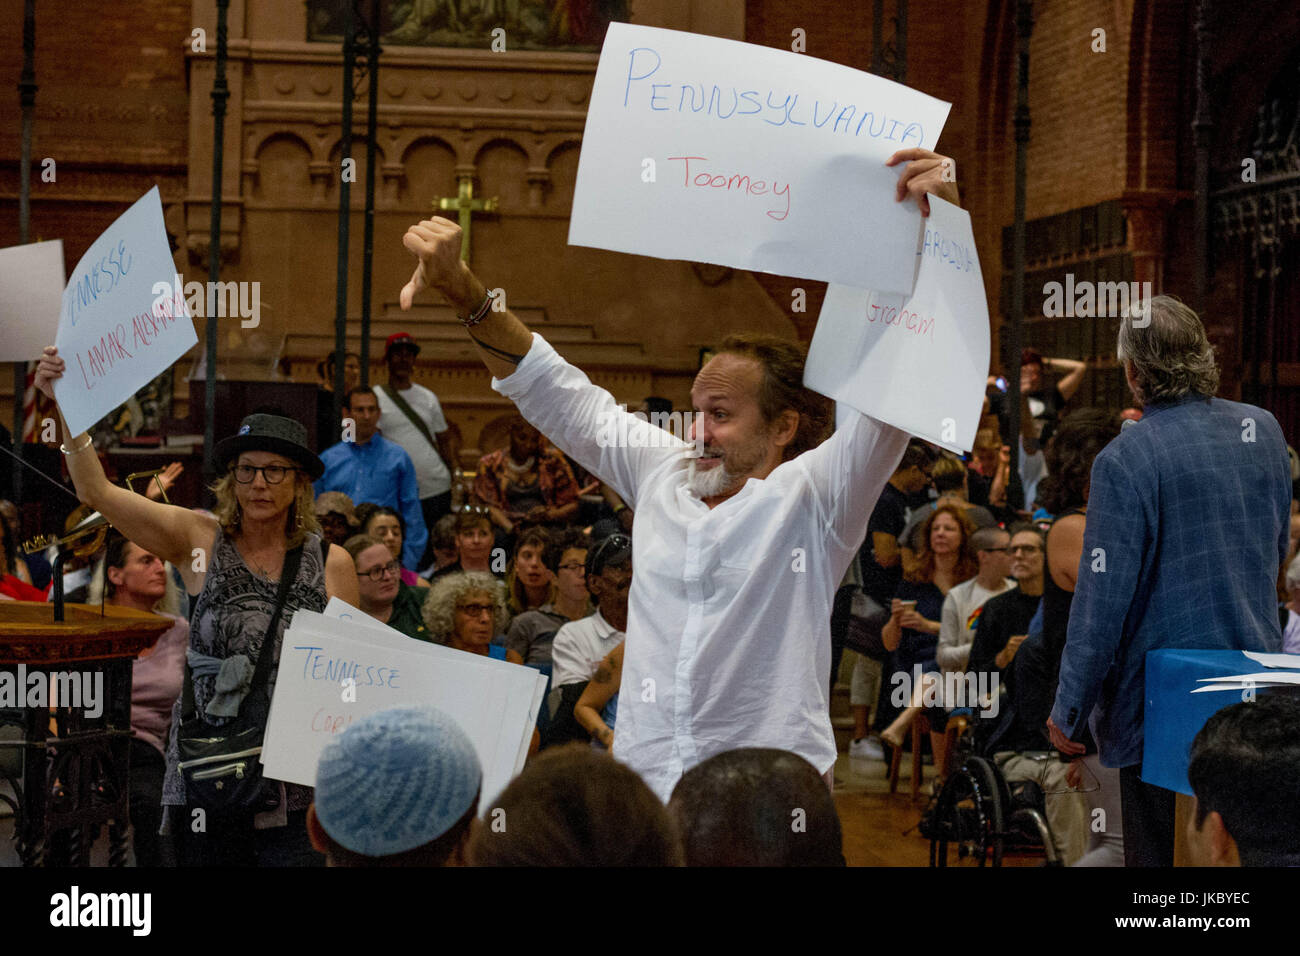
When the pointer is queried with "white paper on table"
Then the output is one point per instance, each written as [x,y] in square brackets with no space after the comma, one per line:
[919,363]
[1266,677]
[116,332]
[1274,660]
[1252,685]
[792,150]
[494,702]
[31,294]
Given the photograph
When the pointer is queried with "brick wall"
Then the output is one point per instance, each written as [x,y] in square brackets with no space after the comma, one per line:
[964,53]
[112,111]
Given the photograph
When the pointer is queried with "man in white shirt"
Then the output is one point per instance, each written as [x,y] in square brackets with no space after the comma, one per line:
[426,439]
[739,545]
[581,645]
[964,601]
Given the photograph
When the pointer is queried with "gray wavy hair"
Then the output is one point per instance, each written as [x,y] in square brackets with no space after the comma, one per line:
[1168,349]
[445,594]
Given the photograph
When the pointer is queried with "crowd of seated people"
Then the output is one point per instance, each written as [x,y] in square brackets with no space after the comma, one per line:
[974,566]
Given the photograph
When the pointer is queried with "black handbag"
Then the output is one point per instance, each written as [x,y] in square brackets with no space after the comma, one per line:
[857,620]
[222,766]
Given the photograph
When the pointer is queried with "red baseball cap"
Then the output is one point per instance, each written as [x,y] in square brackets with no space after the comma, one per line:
[400,340]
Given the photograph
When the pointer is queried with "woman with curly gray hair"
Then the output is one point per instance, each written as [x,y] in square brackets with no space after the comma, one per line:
[465,610]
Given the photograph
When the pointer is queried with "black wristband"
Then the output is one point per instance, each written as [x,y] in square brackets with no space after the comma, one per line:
[499,353]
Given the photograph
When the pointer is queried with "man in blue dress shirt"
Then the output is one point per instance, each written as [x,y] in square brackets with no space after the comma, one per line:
[1187,523]
[372,468]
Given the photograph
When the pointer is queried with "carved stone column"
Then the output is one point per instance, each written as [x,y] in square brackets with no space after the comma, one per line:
[1147,213]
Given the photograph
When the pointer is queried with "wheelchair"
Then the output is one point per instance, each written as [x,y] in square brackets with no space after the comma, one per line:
[977,816]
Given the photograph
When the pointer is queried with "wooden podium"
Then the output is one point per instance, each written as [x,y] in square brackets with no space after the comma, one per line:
[69,770]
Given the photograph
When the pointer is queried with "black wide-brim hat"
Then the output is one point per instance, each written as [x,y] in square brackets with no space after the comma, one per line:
[273,433]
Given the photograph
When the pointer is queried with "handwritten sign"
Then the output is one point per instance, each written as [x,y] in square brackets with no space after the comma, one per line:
[496,703]
[725,152]
[115,333]
[919,362]
[31,283]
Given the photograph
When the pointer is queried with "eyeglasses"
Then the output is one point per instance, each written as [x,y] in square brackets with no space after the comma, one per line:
[474,610]
[379,572]
[272,474]
[1025,549]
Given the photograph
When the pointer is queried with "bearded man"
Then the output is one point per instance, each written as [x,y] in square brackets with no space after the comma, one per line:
[743,533]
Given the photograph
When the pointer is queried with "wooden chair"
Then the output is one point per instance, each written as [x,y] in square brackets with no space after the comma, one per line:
[920,727]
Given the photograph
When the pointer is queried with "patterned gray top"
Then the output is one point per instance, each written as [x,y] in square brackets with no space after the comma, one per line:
[230,617]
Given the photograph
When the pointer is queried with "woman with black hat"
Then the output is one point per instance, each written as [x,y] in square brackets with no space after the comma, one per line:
[265,521]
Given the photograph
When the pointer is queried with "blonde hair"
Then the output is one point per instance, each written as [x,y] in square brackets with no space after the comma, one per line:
[298,523]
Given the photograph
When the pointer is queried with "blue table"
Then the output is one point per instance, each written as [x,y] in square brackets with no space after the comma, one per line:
[1174,715]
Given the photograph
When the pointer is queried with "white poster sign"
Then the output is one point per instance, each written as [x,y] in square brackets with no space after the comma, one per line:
[917,362]
[116,333]
[741,155]
[31,290]
[494,702]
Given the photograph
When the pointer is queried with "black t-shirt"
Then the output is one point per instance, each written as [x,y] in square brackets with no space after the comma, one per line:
[889,517]
[1003,617]
[977,487]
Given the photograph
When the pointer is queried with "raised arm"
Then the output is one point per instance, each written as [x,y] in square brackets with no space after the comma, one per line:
[171,532]
[1074,371]
[576,416]
[502,339]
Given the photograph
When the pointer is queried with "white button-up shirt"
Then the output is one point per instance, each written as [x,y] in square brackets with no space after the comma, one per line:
[728,634]
[579,648]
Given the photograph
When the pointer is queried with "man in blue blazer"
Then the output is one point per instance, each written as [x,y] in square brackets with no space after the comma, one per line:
[1187,523]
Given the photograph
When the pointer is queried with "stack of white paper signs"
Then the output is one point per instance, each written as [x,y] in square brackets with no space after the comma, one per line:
[731,153]
[341,665]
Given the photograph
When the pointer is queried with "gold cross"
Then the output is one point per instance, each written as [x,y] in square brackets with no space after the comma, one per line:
[466,205]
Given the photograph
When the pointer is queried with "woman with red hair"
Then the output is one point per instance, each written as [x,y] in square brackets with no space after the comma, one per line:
[912,633]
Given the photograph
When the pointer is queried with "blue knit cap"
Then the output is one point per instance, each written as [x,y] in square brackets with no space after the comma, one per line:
[396,780]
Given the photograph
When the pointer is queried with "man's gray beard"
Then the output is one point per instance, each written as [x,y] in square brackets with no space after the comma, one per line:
[709,484]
